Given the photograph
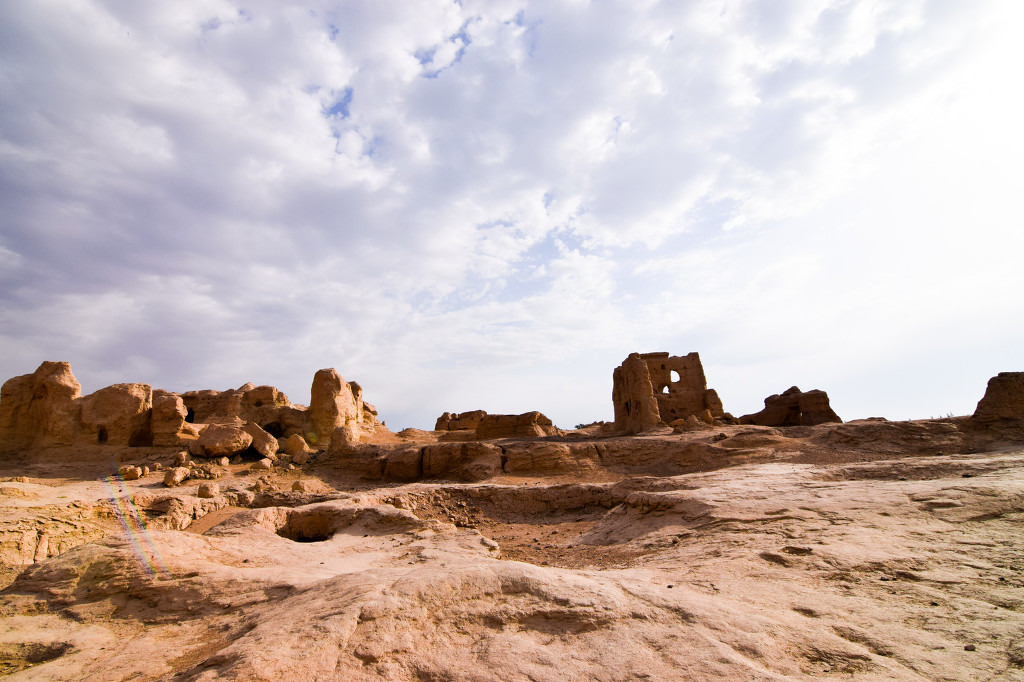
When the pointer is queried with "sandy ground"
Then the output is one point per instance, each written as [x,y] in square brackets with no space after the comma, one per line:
[880,561]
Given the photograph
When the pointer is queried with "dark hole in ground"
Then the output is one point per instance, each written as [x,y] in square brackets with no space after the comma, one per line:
[307,527]
[190,416]
[15,657]
[101,435]
[274,429]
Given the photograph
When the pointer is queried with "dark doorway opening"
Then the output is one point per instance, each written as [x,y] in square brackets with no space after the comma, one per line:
[141,438]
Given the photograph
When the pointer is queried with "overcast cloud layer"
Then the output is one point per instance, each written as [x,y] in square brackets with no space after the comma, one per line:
[488,205]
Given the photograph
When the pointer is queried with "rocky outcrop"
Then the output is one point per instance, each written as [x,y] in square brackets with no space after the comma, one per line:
[221,440]
[208,490]
[1003,399]
[477,424]
[526,425]
[212,407]
[470,461]
[332,403]
[636,408]
[40,409]
[794,408]
[264,405]
[167,423]
[462,421]
[118,415]
[295,446]
[262,442]
[46,408]
[335,403]
[461,461]
[176,476]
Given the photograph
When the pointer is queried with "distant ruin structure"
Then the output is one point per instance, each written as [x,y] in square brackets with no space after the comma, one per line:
[794,407]
[649,389]
[47,408]
[1003,399]
[459,421]
[480,425]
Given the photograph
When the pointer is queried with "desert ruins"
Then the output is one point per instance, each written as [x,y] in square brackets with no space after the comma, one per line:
[235,535]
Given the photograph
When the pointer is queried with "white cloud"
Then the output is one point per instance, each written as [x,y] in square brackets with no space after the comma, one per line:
[446,200]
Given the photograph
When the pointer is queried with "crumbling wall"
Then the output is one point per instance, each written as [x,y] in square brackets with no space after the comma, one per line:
[41,408]
[636,408]
[459,421]
[46,408]
[649,389]
[1003,399]
[681,387]
[477,424]
[118,415]
[794,408]
[526,425]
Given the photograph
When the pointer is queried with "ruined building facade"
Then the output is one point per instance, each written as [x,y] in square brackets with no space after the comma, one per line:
[47,408]
[649,389]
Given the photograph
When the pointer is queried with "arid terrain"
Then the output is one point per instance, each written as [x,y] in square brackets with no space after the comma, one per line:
[715,550]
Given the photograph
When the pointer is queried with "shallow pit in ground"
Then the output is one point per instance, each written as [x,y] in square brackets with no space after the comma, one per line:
[538,525]
[205,523]
[308,526]
[19,656]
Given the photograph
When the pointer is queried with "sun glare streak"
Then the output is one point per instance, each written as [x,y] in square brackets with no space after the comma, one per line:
[135,529]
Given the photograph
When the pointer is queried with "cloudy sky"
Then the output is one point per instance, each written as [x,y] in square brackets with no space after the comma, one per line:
[489,204]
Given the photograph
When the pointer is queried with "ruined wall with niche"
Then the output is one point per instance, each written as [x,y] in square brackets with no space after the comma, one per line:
[653,388]
[680,386]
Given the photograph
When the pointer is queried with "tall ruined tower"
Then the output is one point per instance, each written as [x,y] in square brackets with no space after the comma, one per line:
[653,388]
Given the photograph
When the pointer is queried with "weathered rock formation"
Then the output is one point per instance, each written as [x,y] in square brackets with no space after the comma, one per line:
[480,425]
[333,403]
[649,389]
[636,408]
[264,405]
[463,421]
[794,408]
[472,461]
[526,425]
[167,423]
[40,409]
[693,423]
[119,414]
[463,461]
[46,408]
[262,442]
[296,448]
[1003,399]
[221,440]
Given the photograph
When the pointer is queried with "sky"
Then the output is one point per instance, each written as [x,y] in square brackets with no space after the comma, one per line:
[489,204]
